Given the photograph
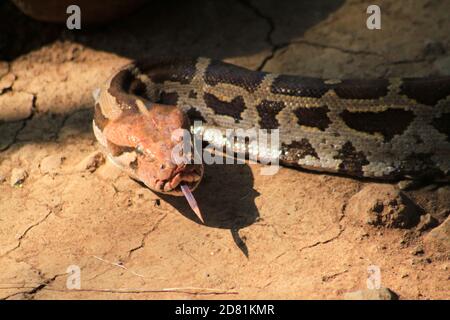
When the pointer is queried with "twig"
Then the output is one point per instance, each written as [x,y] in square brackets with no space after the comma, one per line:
[120,266]
[186,290]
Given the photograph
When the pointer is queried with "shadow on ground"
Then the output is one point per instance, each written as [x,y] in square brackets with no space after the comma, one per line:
[217,29]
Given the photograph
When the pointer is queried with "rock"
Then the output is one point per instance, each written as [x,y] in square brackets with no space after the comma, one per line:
[109,171]
[405,184]
[18,176]
[371,294]
[443,205]
[442,65]
[433,48]
[438,239]
[91,162]
[51,163]
[417,251]
[420,261]
[6,82]
[15,106]
[383,205]
[426,222]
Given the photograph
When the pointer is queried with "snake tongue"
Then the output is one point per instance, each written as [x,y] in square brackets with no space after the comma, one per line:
[192,202]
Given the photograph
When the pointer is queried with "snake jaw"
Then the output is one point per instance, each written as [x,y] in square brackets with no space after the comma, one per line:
[188,175]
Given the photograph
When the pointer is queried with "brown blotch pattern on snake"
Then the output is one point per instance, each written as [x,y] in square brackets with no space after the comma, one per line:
[315,117]
[426,91]
[298,150]
[352,160]
[221,72]
[268,111]
[233,109]
[388,123]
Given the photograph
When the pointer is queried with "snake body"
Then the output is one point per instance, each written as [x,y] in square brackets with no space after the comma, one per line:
[376,128]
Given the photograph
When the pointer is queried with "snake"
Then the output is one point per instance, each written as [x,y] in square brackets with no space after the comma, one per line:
[380,128]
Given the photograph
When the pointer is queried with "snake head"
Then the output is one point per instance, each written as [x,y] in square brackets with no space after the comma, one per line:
[143,143]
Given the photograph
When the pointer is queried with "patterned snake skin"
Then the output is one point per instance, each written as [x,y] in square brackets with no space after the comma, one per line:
[380,128]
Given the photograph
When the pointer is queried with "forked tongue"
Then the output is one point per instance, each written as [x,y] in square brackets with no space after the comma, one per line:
[191,200]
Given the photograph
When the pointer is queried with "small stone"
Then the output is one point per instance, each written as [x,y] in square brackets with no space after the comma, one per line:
[51,163]
[383,205]
[361,235]
[418,251]
[371,294]
[405,184]
[426,222]
[15,106]
[420,260]
[91,162]
[443,214]
[433,48]
[18,176]
[6,82]
[442,65]
[438,239]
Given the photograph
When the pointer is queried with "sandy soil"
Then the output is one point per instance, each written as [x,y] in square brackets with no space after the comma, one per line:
[292,235]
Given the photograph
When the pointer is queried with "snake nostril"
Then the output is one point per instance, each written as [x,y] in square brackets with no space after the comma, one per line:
[162,166]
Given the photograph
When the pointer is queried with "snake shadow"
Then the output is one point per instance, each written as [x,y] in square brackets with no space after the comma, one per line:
[226,198]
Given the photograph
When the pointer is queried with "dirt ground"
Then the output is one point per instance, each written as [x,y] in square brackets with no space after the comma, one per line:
[295,235]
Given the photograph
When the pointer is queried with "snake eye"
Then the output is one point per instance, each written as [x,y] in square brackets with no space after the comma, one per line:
[140,150]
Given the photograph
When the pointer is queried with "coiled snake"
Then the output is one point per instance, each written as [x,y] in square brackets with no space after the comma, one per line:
[376,128]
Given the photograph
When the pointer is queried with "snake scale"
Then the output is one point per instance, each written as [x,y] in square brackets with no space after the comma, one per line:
[377,128]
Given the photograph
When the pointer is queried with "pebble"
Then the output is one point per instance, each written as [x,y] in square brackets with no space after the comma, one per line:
[383,205]
[418,251]
[18,176]
[433,48]
[15,106]
[51,163]
[6,82]
[439,238]
[91,162]
[442,65]
[405,184]
[426,222]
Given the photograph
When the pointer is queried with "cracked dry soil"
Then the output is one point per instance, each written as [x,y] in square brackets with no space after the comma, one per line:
[292,235]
